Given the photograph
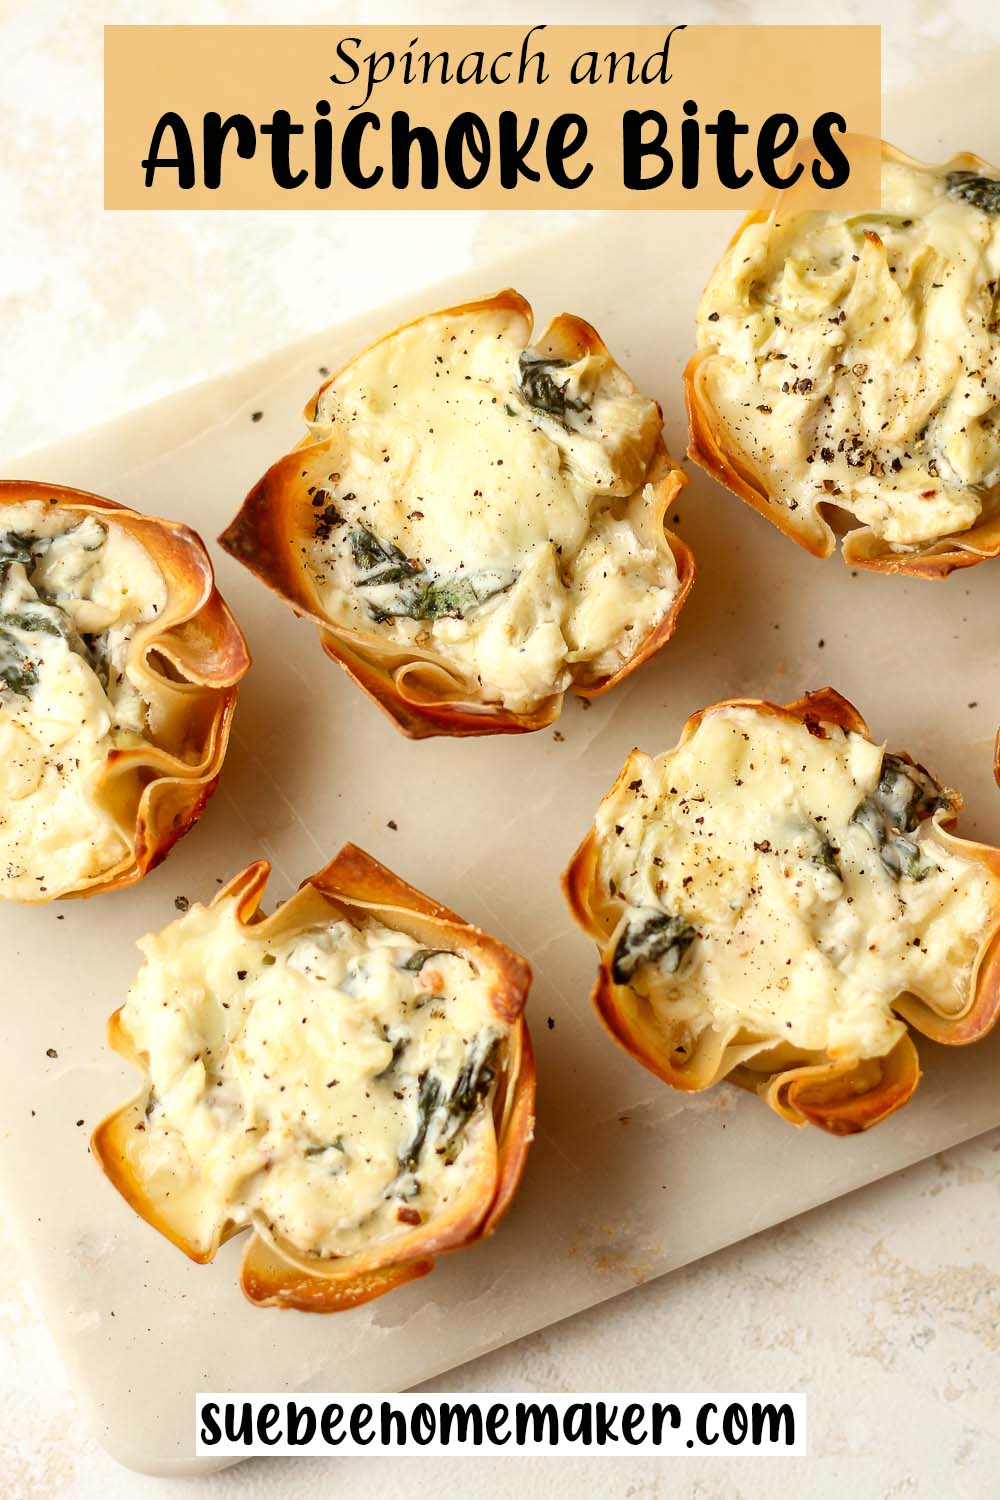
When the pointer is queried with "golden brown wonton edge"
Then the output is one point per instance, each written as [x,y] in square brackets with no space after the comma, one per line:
[841,1094]
[205,654]
[265,534]
[354,885]
[710,447]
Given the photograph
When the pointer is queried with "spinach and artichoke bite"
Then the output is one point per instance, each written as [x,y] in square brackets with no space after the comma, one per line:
[778,900]
[476,522]
[849,364]
[118,670]
[350,1077]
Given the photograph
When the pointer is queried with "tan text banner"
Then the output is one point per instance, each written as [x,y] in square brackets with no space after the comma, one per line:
[489,116]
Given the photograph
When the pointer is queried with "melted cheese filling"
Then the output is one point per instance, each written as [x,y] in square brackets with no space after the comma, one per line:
[518,526]
[72,593]
[857,357]
[333,1086]
[792,925]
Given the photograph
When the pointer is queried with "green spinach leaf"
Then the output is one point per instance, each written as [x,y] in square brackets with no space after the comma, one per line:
[972,187]
[371,552]
[652,936]
[905,797]
[428,598]
[415,962]
[455,1106]
[16,547]
[429,1094]
[421,594]
[541,389]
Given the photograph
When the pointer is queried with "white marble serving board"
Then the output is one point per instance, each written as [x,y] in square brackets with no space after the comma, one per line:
[626,1180]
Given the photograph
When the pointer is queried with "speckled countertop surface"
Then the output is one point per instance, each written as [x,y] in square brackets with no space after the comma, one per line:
[885,1306]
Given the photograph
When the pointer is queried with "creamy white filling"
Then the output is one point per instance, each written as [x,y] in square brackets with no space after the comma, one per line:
[72,593]
[524,522]
[856,358]
[333,1085]
[793,926]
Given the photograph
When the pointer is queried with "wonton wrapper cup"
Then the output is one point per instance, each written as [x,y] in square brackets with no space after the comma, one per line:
[415,686]
[843,1094]
[716,450]
[276,1274]
[187,663]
